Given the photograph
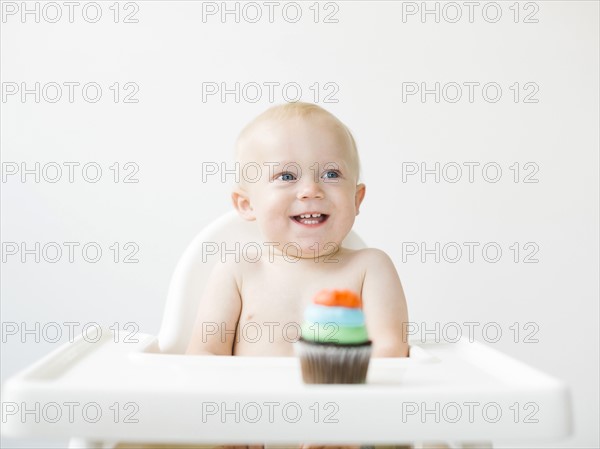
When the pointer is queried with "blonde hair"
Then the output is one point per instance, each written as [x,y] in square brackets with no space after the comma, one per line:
[298,109]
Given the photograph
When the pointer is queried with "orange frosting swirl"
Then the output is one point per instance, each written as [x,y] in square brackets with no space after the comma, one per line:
[338,298]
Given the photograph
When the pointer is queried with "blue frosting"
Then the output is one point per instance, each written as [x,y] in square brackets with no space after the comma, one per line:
[344,316]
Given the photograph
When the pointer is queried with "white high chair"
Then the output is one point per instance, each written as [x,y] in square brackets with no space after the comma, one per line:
[140,388]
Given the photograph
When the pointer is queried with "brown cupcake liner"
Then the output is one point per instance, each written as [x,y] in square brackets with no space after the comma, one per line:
[330,363]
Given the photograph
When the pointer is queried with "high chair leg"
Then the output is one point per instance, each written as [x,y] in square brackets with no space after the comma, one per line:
[82,443]
[396,446]
[166,446]
[469,445]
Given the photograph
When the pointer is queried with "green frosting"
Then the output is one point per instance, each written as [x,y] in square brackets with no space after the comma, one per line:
[334,333]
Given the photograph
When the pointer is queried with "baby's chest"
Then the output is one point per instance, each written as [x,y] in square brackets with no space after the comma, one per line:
[282,293]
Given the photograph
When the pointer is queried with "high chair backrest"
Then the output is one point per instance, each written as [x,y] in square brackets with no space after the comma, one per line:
[193,269]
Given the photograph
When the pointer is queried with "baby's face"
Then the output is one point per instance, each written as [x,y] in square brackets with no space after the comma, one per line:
[306,168]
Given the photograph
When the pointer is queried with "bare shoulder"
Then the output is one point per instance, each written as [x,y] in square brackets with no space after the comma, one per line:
[384,304]
[370,257]
[375,253]
[230,268]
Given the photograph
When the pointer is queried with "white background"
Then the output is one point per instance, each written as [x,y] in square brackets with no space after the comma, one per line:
[368,54]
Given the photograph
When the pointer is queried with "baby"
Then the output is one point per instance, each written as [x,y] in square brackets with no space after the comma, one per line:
[304,199]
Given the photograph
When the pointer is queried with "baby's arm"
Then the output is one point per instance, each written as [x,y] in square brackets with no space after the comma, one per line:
[384,306]
[218,313]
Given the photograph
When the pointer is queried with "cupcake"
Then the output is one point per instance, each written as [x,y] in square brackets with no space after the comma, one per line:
[334,347]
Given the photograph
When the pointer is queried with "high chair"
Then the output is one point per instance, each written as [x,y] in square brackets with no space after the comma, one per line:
[141,388]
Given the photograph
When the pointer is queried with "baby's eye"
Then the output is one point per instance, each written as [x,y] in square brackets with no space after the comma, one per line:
[286,176]
[331,174]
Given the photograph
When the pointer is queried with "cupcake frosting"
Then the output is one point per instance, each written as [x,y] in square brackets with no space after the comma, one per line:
[335,317]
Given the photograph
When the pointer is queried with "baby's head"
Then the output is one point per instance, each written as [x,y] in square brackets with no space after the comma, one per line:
[297,159]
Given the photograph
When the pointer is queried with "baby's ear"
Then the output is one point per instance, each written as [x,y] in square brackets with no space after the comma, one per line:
[361,189]
[242,204]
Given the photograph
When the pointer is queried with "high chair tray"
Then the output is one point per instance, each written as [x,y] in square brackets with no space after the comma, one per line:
[125,391]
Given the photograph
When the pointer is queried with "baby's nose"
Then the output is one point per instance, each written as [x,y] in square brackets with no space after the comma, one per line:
[310,189]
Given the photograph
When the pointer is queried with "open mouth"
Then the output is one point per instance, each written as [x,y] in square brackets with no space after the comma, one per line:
[312,219]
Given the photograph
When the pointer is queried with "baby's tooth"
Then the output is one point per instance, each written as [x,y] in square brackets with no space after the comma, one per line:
[316,215]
